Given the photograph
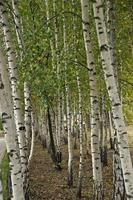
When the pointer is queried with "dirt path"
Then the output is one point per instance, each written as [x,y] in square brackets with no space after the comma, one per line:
[48,184]
[2,148]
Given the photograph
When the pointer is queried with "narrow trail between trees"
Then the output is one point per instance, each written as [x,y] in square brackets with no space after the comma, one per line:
[46,183]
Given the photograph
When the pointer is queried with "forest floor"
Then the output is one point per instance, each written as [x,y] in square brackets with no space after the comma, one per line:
[46,183]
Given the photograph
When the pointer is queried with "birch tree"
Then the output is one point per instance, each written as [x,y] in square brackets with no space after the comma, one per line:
[118,182]
[27,117]
[6,110]
[27,100]
[33,137]
[80,176]
[114,98]
[70,148]
[95,151]
[59,116]
[15,93]
[80,173]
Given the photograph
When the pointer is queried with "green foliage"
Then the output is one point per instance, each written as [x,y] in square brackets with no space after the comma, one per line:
[36,65]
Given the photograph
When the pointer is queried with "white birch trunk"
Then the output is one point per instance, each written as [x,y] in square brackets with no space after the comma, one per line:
[114,98]
[27,117]
[80,176]
[17,25]
[56,31]
[26,86]
[104,151]
[101,126]
[64,136]
[118,182]
[51,41]
[70,148]
[32,138]
[6,110]
[96,160]
[15,93]
[80,172]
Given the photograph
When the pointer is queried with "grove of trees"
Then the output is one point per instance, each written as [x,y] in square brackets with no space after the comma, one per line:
[66,78]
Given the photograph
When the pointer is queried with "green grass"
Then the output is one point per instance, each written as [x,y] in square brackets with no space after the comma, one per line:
[4,171]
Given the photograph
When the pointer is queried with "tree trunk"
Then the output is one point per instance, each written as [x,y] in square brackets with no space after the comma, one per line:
[70,153]
[52,144]
[80,176]
[27,117]
[118,182]
[95,151]
[32,138]
[111,131]
[104,151]
[6,110]
[114,98]
[15,93]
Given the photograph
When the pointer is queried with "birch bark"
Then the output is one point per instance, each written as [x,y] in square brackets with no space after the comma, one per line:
[80,176]
[95,151]
[114,98]
[15,93]
[33,137]
[6,110]
[70,148]
[80,173]
[118,182]
[56,30]
[27,117]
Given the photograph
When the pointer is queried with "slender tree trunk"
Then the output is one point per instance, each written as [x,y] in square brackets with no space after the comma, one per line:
[33,137]
[52,144]
[111,131]
[26,86]
[6,110]
[114,98]
[118,182]
[80,176]
[101,127]
[63,121]
[56,30]
[96,160]
[17,25]
[80,173]
[51,40]
[27,117]
[70,149]
[15,93]
[105,158]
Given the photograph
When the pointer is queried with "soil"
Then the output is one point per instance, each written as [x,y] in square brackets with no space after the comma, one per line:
[46,183]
